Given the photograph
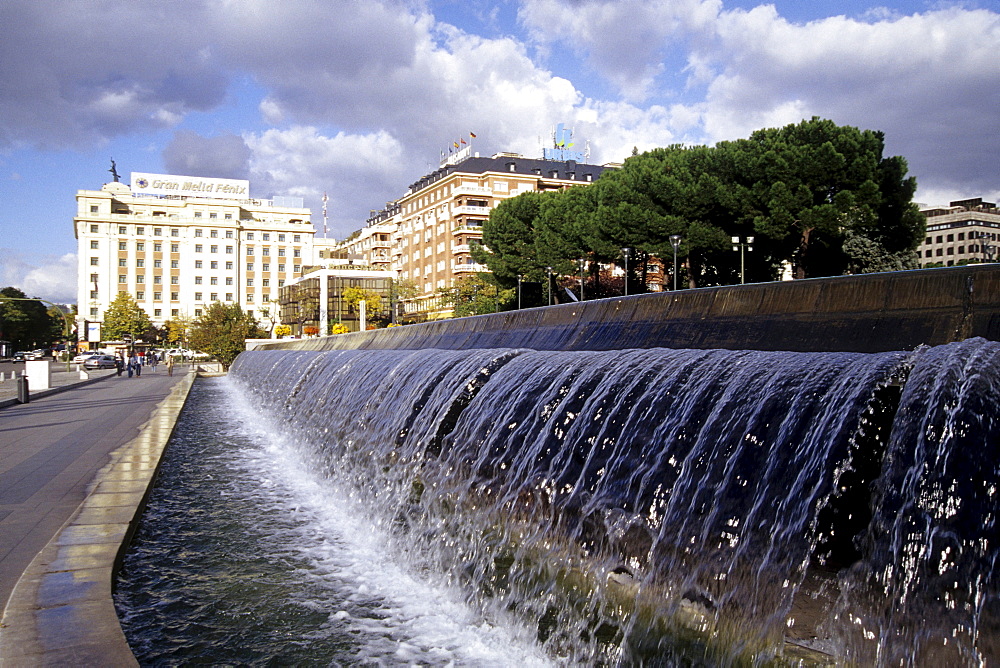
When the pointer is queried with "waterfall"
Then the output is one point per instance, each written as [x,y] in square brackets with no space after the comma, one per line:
[644,506]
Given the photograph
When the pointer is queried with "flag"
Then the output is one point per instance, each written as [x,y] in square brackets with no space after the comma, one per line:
[462,140]
[472,134]
[455,143]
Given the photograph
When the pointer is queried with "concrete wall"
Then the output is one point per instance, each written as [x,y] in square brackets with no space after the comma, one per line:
[870,313]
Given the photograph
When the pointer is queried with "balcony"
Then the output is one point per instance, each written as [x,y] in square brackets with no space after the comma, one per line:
[461,267]
[471,211]
[462,249]
[468,227]
[471,190]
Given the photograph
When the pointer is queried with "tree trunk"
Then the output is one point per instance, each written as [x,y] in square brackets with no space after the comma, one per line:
[800,254]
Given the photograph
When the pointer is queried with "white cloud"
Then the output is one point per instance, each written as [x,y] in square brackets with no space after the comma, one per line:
[46,277]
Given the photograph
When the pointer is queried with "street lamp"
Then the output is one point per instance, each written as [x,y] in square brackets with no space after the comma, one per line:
[626,253]
[675,240]
[987,248]
[549,285]
[583,269]
[742,246]
[519,279]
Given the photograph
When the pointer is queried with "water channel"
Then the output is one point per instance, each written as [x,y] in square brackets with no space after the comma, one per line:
[516,507]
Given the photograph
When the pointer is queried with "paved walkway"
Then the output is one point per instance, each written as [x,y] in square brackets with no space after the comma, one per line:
[51,449]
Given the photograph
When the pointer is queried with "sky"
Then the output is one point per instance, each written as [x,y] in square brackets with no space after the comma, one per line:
[359,99]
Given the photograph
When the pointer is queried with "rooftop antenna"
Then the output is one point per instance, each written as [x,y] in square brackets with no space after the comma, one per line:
[324,214]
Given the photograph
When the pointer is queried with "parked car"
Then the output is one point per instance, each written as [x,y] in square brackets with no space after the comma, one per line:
[83,357]
[20,356]
[100,362]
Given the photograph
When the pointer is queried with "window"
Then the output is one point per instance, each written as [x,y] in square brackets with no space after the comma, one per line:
[229,216]
[197,264]
[157,231]
[198,248]
[93,314]
[266,282]
[214,297]
[296,238]
[229,296]
[214,248]
[281,252]
[266,251]
[140,263]
[174,280]
[173,264]
[214,233]
[122,262]
[174,296]
[197,280]
[157,312]
[281,237]
[175,248]
[93,294]
[121,229]
[214,264]
[249,297]
[140,230]
[139,246]
[197,296]
[93,229]
[93,261]
[265,267]
[93,278]
[281,282]
[250,250]
[298,268]
[229,233]
[122,245]
[93,244]
[229,266]
[140,295]
[229,250]
[249,236]
[296,253]
[93,208]
[249,266]
[951,237]
[174,312]
[266,236]
[197,312]
[122,278]
[157,248]
[267,298]
[174,232]
[214,280]
[197,214]
[961,236]
[249,282]
[157,280]
[141,278]
[281,267]
[214,215]
[229,280]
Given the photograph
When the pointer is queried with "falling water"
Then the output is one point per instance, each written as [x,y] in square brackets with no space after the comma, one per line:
[673,506]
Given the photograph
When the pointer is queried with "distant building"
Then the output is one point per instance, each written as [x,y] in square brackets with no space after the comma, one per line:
[965,232]
[177,244]
[313,303]
[426,236]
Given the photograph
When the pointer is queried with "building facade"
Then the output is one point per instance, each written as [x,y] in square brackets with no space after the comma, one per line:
[964,232]
[177,244]
[428,234]
[320,299]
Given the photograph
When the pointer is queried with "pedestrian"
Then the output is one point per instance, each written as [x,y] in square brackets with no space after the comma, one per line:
[154,359]
[170,364]
[130,364]
[119,363]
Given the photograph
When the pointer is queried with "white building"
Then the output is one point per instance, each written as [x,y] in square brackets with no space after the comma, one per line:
[178,243]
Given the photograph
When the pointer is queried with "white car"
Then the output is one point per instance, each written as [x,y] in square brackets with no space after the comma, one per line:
[83,357]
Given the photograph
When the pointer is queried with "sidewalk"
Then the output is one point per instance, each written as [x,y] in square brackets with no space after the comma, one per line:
[55,453]
[60,380]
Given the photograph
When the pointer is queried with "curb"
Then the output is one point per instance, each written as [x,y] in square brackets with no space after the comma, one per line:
[53,390]
[61,611]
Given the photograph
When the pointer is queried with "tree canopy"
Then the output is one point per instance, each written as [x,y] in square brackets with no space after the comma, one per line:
[816,197]
[125,317]
[222,331]
[27,324]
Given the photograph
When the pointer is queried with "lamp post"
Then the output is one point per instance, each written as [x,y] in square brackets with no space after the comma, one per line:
[549,284]
[675,240]
[742,246]
[626,253]
[519,279]
[986,247]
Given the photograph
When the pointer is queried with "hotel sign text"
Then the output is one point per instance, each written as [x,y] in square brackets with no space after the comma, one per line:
[189,186]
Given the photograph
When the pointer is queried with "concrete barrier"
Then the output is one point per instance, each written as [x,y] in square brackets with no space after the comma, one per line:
[869,313]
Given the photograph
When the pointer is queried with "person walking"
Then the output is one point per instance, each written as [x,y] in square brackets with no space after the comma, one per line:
[170,364]
[130,364]
[119,363]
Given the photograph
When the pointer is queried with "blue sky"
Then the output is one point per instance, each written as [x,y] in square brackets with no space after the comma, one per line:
[357,99]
